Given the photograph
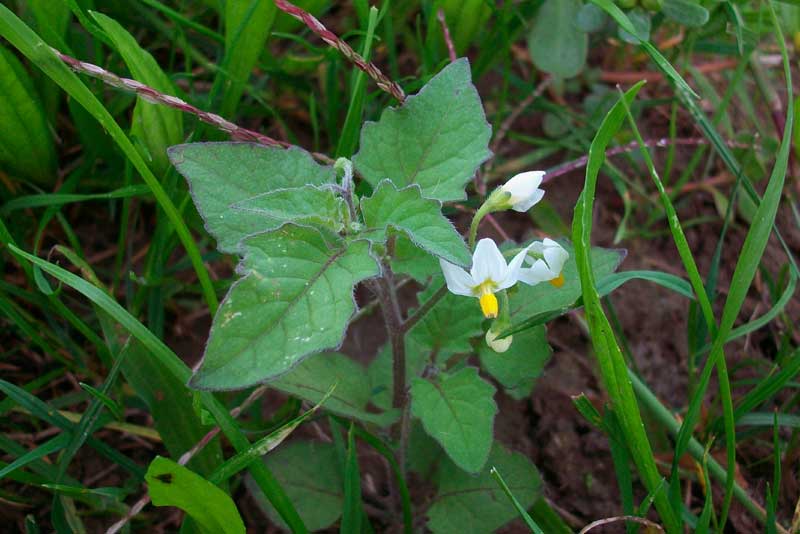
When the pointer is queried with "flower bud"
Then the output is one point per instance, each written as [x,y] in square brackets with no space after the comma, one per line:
[498,345]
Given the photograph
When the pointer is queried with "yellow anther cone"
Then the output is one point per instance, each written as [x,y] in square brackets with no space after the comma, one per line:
[489,305]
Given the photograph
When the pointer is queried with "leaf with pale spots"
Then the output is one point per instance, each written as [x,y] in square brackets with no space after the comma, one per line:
[295,299]
[418,218]
[457,410]
[436,139]
[223,175]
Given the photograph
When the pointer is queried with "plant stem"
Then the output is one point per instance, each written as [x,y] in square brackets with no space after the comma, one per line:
[156,97]
[424,309]
[482,212]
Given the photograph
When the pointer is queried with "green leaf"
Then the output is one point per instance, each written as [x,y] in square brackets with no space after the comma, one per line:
[424,452]
[295,299]
[175,366]
[523,514]
[555,43]
[311,204]
[263,446]
[411,260]
[612,365]
[686,12]
[641,21]
[518,368]
[527,301]
[448,327]
[221,175]
[419,218]
[467,504]
[381,373]
[612,281]
[458,411]
[666,67]
[310,473]
[26,145]
[466,18]
[591,18]
[436,139]
[353,511]
[171,484]
[313,378]
[31,45]
[157,126]
[247,27]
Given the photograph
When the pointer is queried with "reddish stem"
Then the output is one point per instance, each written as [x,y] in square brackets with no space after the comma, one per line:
[156,97]
[451,49]
[333,40]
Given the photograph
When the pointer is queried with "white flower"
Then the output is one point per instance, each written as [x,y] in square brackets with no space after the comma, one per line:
[547,260]
[524,190]
[490,273]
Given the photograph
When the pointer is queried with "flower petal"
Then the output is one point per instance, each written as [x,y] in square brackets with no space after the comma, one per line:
[524,182]
[458,280]
[536,274]
[555,256]
[528,203]
[524,190]
[488,263]
[514,268]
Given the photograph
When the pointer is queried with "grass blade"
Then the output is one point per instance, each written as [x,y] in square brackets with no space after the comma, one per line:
[171,362]
[536,529]
[31,46]
[746,266]
[611,361]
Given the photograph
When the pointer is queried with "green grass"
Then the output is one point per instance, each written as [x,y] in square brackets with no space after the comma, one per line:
[109,274]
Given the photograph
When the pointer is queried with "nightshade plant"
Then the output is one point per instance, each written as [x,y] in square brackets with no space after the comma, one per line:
[308,233]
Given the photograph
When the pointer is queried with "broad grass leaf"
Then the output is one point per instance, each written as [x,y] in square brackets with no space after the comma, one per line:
[418,218]
[247,27]
[157,127]
[170,404]
[222,175]
[26,145]
[457,410]
[468,504]
[295,299]
[436,139]
[171,484]
[556,44]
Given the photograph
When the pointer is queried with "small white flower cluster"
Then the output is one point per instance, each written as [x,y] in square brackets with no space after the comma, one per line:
[541,261]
